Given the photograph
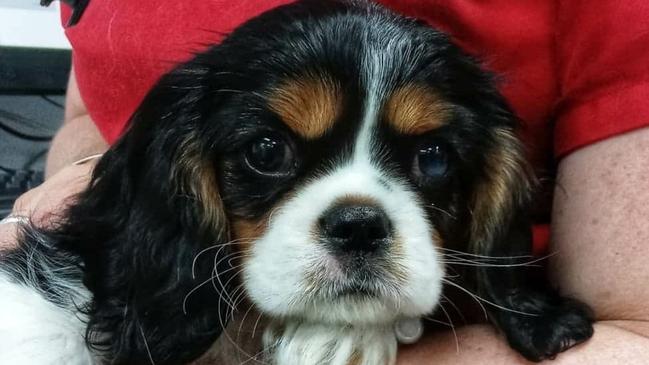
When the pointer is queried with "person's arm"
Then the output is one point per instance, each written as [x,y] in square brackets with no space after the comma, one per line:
[600,232]
[601,226]
[78,136]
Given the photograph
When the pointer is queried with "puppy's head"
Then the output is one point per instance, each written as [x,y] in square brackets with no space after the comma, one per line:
[320,157]
[366,143]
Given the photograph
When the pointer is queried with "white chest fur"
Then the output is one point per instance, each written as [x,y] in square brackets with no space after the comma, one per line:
[303,343]
[33,331]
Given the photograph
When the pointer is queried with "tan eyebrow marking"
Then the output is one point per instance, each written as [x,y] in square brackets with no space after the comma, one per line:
[309,105]
[246,232]
[416,109]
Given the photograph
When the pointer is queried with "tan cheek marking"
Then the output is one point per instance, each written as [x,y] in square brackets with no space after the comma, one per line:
[247,231]
[416,109]
[309,105]
[437,238]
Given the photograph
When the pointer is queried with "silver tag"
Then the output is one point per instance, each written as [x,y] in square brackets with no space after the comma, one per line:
[408,330]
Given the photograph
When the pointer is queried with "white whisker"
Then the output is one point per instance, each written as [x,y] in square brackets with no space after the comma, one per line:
[432,206]
[480,299]
[457,341]
[146,345]
[462,253]
[243,320]
[220,246]
[254,328]
[459,312]
[230,339]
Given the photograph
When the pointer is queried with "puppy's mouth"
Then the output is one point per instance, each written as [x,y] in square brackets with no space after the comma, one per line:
[355,275]
[357,290]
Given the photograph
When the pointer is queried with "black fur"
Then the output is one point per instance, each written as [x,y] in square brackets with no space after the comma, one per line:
[135,231]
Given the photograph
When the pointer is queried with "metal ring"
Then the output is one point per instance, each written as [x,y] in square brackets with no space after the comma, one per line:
[408,330]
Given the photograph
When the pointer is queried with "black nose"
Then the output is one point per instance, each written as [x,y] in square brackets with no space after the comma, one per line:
[362,228]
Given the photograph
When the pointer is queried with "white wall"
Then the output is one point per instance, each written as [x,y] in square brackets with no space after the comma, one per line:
[24,23]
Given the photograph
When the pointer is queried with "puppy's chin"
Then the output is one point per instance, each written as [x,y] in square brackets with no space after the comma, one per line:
[360,291]
[320,288]
[356,310]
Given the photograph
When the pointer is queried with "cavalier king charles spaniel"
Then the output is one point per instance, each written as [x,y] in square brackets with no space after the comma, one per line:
[330,162]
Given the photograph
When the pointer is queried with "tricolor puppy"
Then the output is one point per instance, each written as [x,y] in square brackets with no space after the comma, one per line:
[319,162]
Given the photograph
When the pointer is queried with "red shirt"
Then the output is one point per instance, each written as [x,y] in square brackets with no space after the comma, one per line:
[576,72]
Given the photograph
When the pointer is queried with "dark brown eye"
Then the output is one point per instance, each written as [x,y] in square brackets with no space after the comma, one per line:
[431,161]
[269,155]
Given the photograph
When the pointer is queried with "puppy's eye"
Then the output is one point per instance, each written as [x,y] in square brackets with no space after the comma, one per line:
[269,155]
[431,161]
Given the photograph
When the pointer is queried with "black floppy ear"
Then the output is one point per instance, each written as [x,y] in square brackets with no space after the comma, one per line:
[535,319]
[152,209]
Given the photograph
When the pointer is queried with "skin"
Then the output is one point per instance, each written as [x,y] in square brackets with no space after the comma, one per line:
[599,229]
[77,127]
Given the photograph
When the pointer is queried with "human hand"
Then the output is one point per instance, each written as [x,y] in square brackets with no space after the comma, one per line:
[42,205]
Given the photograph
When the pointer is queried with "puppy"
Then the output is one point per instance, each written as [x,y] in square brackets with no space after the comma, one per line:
[327,161]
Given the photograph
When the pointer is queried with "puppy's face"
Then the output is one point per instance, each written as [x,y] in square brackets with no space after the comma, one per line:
[348,148]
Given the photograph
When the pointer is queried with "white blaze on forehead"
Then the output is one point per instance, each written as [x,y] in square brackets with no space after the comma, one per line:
[384,55]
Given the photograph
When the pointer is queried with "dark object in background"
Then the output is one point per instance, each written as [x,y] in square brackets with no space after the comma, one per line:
[27,124]
[13,183]
[25,70]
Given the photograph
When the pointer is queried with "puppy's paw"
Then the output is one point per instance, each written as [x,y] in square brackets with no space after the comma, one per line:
[554,327]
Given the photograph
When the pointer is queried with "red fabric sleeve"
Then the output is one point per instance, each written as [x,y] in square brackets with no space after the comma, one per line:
[121,48]
[603,67]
